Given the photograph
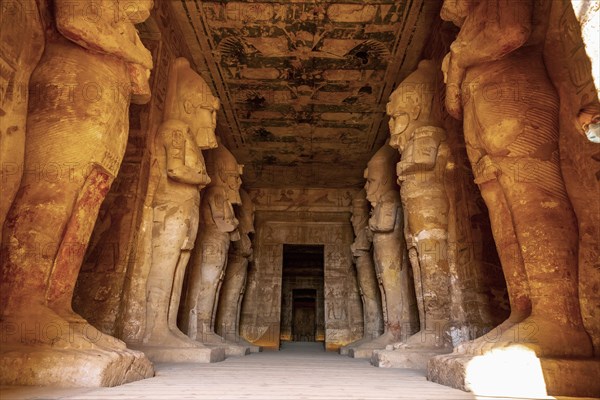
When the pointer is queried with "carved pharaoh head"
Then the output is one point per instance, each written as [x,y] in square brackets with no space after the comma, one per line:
[189,99]
[246,213]
[224,171]
[411,103]
[380,174]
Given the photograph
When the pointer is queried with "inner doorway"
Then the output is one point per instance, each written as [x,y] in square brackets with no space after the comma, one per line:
[304,315]
[302,293]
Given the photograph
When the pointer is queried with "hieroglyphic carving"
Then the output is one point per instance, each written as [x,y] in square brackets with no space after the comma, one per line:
[261,308]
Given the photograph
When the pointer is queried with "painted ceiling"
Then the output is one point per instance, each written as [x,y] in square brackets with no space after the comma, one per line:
[303,85]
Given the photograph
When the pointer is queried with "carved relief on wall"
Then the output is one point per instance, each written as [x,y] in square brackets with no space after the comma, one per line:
[261,309]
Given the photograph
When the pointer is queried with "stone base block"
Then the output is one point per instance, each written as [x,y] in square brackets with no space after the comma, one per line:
[255,349]
[345,350]
[202,355]
[404,358]
[231,350]
[361,352]
[46,366]
[516,373]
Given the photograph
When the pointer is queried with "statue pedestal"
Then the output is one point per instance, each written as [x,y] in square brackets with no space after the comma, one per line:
[516,373]
[405,358]
[252,347]
[204,355]
[345,350]
[362,352]
[47,366]
[230,349]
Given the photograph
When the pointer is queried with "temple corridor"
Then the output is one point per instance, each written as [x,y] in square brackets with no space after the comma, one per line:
[307,199]
[299,371]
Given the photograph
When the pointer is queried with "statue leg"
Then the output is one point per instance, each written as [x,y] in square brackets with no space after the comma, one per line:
[370,295]
[512,266]
[217,293]
[162,284]
[51,266]
[520,137]
[399,293]
[546,231]
[207,265]
[230,296]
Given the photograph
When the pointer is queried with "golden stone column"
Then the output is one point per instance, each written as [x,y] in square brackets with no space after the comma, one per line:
[365,270]
[218,227]
[188,127]
[421,140]
[497,82]
[77,124]
[389,253]
[236,272]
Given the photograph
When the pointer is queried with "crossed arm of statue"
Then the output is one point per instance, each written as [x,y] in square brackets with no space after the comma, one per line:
[425,152]
[490,29]
[222,212]
[182,156]
[383,218]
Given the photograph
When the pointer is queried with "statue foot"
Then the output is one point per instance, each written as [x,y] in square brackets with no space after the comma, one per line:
[388,338]
[423,340]
[38,324]
[543,337]
[474,347]
[168,338]
[212,338]
[82,327]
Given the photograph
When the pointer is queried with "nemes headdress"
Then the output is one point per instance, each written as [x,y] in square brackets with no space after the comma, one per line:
[418,87]
[187,91]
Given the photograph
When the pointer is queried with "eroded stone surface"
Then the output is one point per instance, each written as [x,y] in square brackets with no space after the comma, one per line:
[365,270]
[184,132]
[421,140]
[21,44]
[218,227]
[389,252]
[525,203]
[236,272]
[49,224]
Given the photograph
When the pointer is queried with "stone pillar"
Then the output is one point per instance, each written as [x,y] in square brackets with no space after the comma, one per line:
[389,252]
[365,268]
[218,227]
[422,143]
[234,283]
[184,132]
[77,123]
[512,138]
